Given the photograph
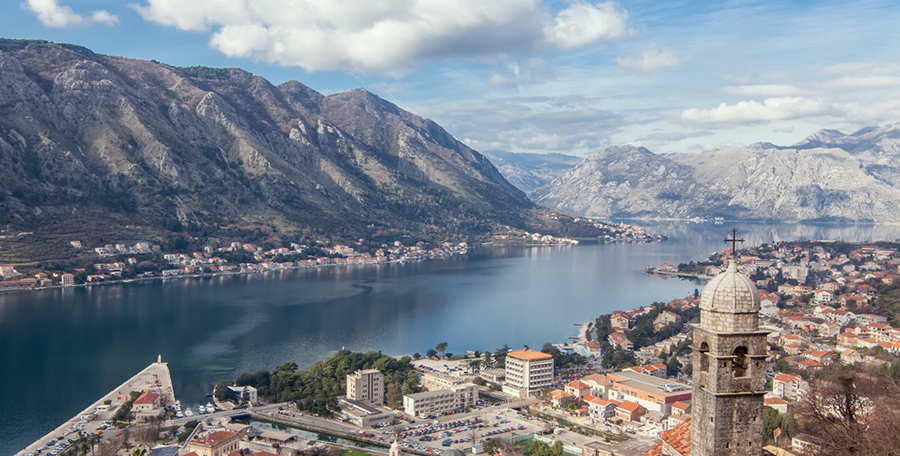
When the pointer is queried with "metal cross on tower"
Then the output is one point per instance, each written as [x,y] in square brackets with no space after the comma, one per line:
[734,240]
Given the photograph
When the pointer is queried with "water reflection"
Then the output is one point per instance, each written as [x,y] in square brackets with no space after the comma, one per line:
[62,349]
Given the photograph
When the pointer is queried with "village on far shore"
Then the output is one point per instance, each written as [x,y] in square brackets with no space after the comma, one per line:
[143,259]
[622,387]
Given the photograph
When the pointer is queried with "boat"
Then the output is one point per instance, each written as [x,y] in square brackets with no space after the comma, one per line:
[179,414]
[188,412]
[201,409]
[210,408]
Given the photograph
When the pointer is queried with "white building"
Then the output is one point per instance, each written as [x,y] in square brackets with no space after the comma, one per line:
[239,394]
[527,372]
[440,401]
[366,385]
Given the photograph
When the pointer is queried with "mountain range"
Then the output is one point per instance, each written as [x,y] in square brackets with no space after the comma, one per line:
[829,176]
[531,171]
[91,143]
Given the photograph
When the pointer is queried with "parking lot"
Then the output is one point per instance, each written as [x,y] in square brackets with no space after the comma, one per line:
[463,430]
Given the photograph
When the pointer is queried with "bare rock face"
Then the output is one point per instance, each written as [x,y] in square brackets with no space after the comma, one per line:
[531,171]
[827,177]
[143,142]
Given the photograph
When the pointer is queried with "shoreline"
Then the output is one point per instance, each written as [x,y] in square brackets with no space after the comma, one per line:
[680,275]
[224,273]
[445,256]
[158,370]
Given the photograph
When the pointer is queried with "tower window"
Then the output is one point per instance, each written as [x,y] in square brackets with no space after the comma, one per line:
[740,363]
[704,359]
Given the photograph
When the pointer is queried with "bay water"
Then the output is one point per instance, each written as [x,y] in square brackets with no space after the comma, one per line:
[62,349]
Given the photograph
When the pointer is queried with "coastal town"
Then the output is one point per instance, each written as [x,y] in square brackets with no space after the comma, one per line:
[626,386]
[143,259]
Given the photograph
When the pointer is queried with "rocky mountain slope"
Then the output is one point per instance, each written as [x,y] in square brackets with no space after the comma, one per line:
[829,176]
[90,143]
[531,171]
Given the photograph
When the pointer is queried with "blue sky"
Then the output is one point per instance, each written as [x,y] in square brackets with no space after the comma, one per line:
[534,75]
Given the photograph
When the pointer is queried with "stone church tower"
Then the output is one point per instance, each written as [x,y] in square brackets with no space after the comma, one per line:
[729,358]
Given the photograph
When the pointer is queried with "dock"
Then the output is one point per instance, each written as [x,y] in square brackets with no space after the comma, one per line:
[153,377]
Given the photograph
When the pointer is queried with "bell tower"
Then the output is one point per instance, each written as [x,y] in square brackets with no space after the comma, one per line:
[729,358]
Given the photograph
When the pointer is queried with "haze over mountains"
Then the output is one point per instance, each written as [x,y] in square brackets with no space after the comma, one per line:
[829,176]
[531,171]
[89,143]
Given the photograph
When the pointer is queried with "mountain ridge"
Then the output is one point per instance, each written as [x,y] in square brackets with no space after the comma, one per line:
[90,143]
[828,176]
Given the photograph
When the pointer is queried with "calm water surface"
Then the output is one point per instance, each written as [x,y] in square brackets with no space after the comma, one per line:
[62,349]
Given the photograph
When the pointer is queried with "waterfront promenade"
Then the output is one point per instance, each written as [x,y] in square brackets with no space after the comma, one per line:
[155,376]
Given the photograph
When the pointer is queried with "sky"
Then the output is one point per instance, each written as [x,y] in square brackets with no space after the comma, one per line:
[538,76]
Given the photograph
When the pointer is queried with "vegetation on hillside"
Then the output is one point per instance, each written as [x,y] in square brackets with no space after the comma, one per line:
[854,410]
[316,390]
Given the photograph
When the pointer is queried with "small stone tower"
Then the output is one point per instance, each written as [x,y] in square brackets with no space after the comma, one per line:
[729,358]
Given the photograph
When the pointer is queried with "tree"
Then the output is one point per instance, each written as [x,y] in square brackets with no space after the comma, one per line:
[221,390]
[673,367]
[431,353]
[394,396]
[442,348]
[853,412]
[492,446]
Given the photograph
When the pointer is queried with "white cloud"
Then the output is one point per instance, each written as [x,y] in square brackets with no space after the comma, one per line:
[583,23]
[748,112]
[655,58]
[386,35]
[54,15]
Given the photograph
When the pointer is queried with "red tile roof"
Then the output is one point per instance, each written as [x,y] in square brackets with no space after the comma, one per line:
[147,397]
[529,355]
[681,405]
[629,406]
[679,438]
[785,377]
[215,438]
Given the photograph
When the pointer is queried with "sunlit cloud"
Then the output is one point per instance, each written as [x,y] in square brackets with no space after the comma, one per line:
[54,15]
[746,112]
[380,35]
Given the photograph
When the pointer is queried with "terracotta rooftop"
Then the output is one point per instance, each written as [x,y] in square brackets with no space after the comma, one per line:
[214,438]
[679,438]
[599,379]
[629,406]
[529,355]
[146,398]
[785,377]
[681,405]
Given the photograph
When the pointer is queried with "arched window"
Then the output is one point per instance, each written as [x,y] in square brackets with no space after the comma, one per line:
[704,360]
[741,362]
